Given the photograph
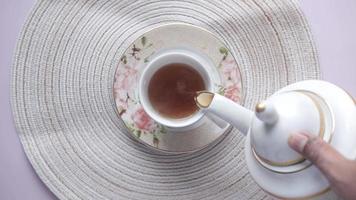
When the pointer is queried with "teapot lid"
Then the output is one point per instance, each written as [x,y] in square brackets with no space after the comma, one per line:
[302,180]
[281,115]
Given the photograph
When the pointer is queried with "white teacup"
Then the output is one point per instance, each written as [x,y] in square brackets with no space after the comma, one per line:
[184,56]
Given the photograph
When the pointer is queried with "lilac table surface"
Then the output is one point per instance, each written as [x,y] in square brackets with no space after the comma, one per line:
[333,25]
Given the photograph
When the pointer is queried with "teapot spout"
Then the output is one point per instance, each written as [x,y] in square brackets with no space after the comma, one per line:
[226,109]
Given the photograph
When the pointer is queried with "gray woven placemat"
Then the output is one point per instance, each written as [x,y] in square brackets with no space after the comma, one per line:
[65,114]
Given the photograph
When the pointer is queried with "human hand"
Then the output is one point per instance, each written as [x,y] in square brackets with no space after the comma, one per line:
[340,172]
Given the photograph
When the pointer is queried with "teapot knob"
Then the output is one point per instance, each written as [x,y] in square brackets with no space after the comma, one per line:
[266,112]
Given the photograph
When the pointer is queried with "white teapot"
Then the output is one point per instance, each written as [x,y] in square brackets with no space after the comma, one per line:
[317,107]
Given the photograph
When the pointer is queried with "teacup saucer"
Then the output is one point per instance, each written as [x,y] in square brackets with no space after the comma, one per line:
[134,60]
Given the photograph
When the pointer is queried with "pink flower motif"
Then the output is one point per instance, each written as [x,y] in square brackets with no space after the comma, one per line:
[230,70]
[125,80]
[142,120]
[233,92]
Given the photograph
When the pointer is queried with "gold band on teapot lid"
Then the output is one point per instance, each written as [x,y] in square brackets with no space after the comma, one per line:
[301,161]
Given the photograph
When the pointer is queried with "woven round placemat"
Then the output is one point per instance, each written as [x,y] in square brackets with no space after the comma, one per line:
[65,114]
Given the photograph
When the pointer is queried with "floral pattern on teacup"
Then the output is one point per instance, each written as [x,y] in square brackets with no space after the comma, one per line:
[125,87]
